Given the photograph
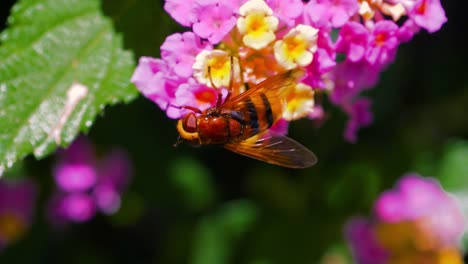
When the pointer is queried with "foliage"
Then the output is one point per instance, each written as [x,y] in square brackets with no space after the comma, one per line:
[61,63]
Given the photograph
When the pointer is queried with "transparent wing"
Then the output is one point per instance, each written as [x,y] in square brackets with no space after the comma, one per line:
[275,149]
[271,87]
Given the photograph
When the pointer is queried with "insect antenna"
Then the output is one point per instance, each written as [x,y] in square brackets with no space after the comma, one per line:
[178,141]
[188,107]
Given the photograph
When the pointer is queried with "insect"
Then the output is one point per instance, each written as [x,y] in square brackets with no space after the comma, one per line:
[241,123]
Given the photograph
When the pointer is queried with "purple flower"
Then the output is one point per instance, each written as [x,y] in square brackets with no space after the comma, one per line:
[214,19]
[412,221]
[286,10]
[81,151]
[78,199]
[113,180]
[407,31]
[329,13]
[383,43]
[360,115]
[76,169]
[352,78]
[71,207]
[107,198]
[115,169]
[158,82]
[428,14]
[352,41]
[179,52]
[17,202]
[360,235]
[318,115]
[181,11]
[266,37]
[75,177]
[323,62]
[198,96]
[151,78]
[415,198]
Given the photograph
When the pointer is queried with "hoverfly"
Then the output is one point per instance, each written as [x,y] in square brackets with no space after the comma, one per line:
[241,123]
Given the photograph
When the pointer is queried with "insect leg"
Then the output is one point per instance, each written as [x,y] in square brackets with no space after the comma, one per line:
[211,78]
[231,79]
[220,95]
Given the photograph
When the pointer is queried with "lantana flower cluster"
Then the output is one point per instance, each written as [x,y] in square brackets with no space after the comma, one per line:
[17,204]
[87,185]
[343,44]
[415,222]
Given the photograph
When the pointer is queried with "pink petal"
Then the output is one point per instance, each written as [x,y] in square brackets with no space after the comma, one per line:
[181,11]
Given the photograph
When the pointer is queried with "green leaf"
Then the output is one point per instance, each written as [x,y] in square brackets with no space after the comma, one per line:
[61,63]
[193,182]
[337,253]
[217,235]
[453,168]
[426,163]
[131,210]
[359,175]
[278,191]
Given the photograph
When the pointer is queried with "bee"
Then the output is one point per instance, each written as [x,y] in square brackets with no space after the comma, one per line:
[242,123]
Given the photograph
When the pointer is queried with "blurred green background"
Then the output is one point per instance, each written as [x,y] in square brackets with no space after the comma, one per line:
[210,206]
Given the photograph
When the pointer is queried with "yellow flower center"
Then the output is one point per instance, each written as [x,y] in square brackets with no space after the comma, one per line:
[297,47]
[415,242]
[257,24]
[300,102]
[213,68]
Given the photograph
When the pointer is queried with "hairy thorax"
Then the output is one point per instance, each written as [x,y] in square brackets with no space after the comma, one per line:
[214,128]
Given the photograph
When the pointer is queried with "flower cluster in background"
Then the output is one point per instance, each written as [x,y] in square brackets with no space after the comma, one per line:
[85,184]
[267,37]
[416,222]
[17,203]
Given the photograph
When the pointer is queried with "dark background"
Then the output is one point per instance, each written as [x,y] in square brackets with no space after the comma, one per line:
[225,208]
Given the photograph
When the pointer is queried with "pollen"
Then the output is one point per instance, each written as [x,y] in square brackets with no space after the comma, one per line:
[297,47]
[213,68]
[257,24]
[300,102]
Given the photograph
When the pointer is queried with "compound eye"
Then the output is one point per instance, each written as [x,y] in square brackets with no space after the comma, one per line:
[190,123]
